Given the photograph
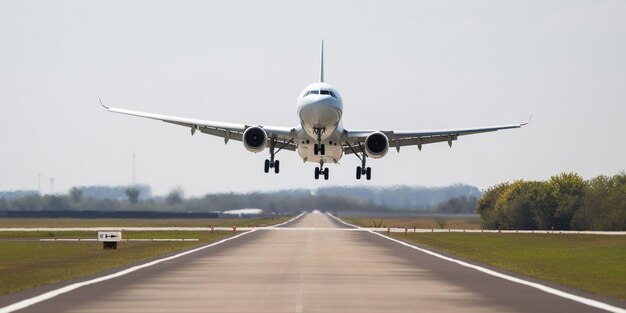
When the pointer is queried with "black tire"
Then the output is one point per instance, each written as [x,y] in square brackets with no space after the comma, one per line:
[325,173]
[316,150]
[267,166]
[323,149]
[276,166]
[358,172]
[317,173]
[368,173]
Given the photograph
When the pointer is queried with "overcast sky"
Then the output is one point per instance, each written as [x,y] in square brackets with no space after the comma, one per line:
[398,65]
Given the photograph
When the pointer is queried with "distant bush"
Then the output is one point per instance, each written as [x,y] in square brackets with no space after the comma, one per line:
[458,205]
[564,202]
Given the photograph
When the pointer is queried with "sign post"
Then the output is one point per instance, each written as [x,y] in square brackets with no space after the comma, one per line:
[109,238]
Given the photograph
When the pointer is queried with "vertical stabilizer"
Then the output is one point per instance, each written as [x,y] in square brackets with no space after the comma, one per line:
[322,63]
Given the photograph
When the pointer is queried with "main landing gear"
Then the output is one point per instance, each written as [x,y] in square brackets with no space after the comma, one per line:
[275,164]
[319,147]
[321,171]
[361,170]
[271,162]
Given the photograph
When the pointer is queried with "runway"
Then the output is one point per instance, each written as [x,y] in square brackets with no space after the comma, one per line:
[316,269]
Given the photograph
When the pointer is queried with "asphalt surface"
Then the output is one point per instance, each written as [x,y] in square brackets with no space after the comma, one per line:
[319,265]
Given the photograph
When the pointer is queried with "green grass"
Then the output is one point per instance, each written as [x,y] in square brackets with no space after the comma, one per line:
[112,222]
[27,264]
[418,222]
[595,263]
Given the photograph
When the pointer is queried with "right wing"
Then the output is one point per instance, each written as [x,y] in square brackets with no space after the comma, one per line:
[284,136]
[418,138]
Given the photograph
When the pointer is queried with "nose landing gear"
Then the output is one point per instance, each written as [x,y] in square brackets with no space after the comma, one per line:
[319,147]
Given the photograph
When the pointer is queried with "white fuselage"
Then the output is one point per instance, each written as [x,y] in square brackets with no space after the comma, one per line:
[320,109]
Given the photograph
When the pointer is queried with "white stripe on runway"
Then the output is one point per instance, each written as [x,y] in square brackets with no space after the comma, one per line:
[54,293]
[546,289]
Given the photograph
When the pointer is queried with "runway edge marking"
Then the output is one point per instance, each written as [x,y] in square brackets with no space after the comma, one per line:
[57,292]
[546,289]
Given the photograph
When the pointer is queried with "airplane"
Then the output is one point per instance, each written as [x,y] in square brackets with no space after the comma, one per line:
[320,136]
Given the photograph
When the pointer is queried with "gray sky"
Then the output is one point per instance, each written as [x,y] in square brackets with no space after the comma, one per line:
[398,65]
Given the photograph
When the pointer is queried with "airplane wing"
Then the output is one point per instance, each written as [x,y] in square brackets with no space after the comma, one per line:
[229,131]
[418,138]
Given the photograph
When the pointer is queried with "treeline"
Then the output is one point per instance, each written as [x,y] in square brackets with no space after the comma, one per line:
[105,214]
[456,199]
[458,205]
[407,197]
[564,202]
[275,203]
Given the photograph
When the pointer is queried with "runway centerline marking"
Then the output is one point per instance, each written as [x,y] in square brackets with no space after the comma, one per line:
[544,288]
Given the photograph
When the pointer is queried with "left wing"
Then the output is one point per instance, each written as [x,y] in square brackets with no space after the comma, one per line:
[283,135]
[418,138]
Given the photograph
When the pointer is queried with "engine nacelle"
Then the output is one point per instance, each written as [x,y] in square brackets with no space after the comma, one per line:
[255,139]
[376,145]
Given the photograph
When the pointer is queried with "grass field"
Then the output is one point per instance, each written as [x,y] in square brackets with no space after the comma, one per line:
[112,222]
[418,222]
[594,263]
[27,264]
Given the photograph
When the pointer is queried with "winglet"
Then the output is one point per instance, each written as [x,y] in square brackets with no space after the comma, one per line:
[102,104]
[322,63]
[525,123]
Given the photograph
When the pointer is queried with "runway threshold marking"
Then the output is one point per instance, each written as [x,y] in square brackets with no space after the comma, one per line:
[57,292]
[546,289]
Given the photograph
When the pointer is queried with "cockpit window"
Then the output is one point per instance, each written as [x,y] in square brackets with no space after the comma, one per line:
[320,92]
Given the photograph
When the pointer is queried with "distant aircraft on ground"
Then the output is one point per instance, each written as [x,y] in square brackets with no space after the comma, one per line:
[320,137]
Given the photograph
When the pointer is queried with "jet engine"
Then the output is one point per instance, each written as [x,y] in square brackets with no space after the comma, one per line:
[255,139]
[376,145]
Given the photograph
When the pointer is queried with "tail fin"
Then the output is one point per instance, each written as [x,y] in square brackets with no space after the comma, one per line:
[322,63]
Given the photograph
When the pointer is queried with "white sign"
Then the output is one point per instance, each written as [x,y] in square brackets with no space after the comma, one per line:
[110,236]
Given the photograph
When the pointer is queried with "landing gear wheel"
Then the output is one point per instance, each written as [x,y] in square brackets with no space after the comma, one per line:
[276,166]
[325,173]
[267,166]
[317,173]
[319,148]
[358,172]
[368,173]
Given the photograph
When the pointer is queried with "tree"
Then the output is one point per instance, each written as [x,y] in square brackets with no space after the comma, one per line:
[458,205]
[76,194]
[487,204]
[175,197]
[569,190]
[4,204]
[133,194]
[530,206]
[502,206]
[604,205]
